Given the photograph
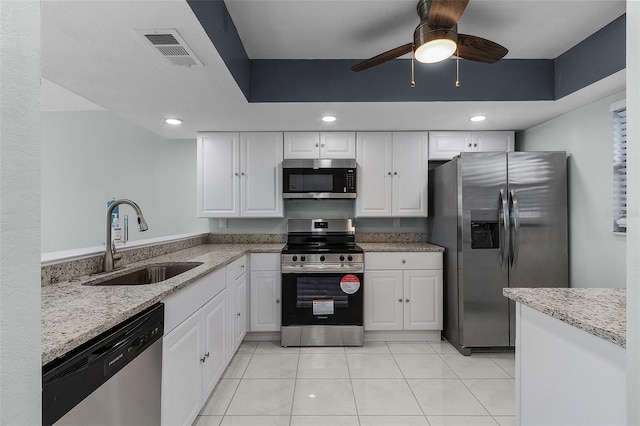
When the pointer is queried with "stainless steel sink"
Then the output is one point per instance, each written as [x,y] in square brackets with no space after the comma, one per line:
[149,274]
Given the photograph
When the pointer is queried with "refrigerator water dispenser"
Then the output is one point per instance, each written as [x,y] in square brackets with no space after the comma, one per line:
[484,229]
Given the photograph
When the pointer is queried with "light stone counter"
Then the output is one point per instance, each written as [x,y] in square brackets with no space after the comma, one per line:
[73,313]
[598,311]
[393,247]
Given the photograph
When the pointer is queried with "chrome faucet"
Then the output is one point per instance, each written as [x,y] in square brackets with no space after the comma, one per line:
[110,249]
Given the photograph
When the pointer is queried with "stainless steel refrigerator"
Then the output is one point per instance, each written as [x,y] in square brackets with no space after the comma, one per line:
[502,218]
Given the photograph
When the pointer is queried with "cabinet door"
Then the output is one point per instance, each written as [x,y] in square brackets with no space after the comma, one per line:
[301,145]
[182,372]
[241,310]
[410,174]
[373,155]
[218,175]
[423,300]
[261,174]
[493,141]
[265,300]
[215,318]
[446,145]
[338,145]
[383,300]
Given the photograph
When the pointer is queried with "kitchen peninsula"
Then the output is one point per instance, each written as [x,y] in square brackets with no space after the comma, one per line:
[570,355]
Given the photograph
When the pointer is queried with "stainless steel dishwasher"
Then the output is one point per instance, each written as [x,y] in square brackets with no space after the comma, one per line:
[114,379]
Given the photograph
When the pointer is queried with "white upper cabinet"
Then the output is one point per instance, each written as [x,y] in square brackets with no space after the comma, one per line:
[319,145]
[239,174]
[392,174]
[446,145]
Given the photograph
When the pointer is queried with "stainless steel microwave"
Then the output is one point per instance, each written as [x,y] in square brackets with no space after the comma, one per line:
[319,178]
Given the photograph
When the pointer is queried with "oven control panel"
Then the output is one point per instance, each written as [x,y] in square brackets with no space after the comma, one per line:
[322,262]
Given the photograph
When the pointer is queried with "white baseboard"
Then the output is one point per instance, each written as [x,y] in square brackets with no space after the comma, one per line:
[401,336]
[369,336]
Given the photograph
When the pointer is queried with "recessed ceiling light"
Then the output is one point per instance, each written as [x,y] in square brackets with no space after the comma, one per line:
[328,118]
[173,121]
[476,118]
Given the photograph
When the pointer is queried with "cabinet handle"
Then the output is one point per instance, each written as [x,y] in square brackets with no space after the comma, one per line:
[321,145]
[404,261]
[204,358]
[277,300]
[242,174]
[475,144]
[469,145]
[236,173]
[241,266]
[389,173]
[407,300]
[400,300]
[238,313]
[395,173]
[317,145]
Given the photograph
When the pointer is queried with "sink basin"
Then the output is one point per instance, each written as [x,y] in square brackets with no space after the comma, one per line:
[150,274]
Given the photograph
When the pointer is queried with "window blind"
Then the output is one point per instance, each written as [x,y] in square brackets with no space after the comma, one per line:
[620,170]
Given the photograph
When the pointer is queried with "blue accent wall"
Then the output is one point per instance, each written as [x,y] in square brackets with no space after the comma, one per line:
[333,81]
[217,23]
[597,56]
[593,59]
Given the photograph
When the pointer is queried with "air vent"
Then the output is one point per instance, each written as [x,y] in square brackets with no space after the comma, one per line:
[171,46]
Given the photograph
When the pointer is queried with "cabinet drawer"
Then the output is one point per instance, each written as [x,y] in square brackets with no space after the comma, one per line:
[265,261]
[402,260]
[237,268]
[181,305]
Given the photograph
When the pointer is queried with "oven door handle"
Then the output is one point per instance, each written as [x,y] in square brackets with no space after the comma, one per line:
[322,269]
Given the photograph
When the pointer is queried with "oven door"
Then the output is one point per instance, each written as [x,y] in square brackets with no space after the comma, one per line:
[322,299]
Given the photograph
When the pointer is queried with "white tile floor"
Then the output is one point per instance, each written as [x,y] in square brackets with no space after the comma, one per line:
[380,384]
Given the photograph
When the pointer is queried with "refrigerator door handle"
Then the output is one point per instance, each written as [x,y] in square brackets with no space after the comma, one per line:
[504,230]
[515,248]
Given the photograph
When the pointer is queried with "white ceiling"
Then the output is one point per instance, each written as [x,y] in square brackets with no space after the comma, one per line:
[90,48]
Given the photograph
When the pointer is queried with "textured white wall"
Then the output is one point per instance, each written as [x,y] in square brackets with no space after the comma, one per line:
[20,376]
[597,257]
[633,204]
[89,157]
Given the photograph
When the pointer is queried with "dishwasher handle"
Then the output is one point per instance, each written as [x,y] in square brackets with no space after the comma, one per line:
[70,379]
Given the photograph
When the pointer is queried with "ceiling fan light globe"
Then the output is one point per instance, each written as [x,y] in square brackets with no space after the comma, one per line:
[436,50]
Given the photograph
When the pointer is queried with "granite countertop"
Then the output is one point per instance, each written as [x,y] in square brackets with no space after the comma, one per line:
[599,311]
[391,247]
[73,313]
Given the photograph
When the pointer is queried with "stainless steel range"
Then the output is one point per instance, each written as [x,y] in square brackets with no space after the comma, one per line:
[322,284]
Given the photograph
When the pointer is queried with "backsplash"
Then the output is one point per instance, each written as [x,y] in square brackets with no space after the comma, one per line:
[67,270]
[376,237]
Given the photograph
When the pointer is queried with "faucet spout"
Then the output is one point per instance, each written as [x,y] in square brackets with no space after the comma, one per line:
[107,265]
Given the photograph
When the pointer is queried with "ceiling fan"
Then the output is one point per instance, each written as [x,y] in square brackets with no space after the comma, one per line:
[436,38]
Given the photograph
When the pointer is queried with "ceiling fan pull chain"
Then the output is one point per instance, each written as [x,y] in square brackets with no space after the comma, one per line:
[457,68]
[413,73]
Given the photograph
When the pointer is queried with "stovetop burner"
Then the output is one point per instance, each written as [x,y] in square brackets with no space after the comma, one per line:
[321,245]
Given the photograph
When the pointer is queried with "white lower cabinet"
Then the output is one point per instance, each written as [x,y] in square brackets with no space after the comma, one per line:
[237,288]
[182,372]
[265,292]
[404,291]
[193,349]
[204,326]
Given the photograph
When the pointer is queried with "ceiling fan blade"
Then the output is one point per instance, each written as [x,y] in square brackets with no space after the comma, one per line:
[479,49]
[383,57]
[441,13]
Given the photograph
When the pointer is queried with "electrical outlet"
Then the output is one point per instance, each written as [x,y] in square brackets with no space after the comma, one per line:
[222,223]
[396,222]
